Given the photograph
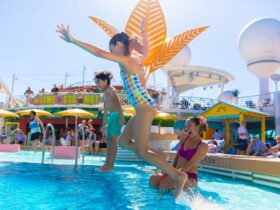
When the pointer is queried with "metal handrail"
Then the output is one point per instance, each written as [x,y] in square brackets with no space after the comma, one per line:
[44,142]
[79,127]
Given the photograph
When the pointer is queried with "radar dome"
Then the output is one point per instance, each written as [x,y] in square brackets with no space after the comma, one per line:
[259,46]
[227,96]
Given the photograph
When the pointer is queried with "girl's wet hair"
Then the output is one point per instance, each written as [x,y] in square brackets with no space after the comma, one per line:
[123,38]
[104,75]
[201,122]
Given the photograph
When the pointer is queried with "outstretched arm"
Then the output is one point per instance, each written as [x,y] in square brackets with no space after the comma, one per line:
[66,36]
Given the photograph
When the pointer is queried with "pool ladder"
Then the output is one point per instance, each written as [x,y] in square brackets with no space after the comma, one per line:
[79,127]
[44,142]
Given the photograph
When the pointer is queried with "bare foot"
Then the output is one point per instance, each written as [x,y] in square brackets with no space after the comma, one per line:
[180,183]
[105,168]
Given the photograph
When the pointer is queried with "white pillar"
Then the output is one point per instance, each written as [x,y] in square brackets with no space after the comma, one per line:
[264,89]
[277,112]
[168,100]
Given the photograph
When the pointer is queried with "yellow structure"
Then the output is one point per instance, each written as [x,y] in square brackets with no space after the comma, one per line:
[226,111]
[5,113]
[39,112]
[131,111]
[161,50]
[75,113]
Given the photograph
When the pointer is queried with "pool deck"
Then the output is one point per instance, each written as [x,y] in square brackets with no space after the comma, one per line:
[260,170]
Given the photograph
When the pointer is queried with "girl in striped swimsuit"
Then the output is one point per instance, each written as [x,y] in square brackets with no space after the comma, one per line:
[139,126]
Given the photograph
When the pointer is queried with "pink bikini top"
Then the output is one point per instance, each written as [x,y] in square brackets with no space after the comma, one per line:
[189,153]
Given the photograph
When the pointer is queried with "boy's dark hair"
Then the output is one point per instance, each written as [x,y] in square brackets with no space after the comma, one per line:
[123,38]
[104,76]
[33,112]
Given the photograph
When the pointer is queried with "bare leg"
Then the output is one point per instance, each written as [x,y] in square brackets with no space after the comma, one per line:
[34,146]
[111,155]
[125,139]
[36,143]
[97,143]
[141,133]
[104,167]
[113,151]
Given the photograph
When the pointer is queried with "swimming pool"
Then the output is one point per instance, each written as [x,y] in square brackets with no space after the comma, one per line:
[27,184]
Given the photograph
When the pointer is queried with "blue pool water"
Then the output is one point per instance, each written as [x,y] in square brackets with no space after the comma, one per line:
[27,184]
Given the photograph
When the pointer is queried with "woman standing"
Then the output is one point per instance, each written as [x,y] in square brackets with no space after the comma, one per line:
[36,129]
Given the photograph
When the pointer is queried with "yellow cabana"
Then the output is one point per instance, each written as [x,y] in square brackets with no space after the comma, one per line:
[226,111]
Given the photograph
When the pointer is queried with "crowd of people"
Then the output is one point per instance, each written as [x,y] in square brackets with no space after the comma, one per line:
[244,145]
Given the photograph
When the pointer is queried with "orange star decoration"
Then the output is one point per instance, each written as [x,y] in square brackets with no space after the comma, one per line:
[161,51]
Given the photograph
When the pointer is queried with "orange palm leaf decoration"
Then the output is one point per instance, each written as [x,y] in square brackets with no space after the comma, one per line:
[171,47]
[155,26]
[160,50]
[110,30]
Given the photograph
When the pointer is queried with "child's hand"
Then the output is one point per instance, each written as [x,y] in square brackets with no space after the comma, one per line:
[64,33]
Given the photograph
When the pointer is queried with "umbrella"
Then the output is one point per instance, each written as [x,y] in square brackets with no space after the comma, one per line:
[131,110]
[5,113]
[75,113]
[128,110]
[39,112]
[166,115]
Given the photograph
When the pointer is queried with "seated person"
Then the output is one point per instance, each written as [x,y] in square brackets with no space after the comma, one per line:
[255,147]
[69,138]
[3,136]
[20,137]
[221,145]
[217,135]
[275,150]
[49,139]
[212,146]
[265,149]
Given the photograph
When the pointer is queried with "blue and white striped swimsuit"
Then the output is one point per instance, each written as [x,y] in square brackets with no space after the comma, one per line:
[34,127]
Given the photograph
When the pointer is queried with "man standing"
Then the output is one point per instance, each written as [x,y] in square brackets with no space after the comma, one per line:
[243,136]
[55,89]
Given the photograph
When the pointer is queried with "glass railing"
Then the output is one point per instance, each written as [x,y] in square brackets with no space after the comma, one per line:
[188,103]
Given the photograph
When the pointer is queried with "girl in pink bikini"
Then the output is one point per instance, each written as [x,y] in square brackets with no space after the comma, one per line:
[190,152]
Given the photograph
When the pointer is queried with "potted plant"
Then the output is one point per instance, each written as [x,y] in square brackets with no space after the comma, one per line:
[155,125]
[166,126]
[235,94]
[127,117]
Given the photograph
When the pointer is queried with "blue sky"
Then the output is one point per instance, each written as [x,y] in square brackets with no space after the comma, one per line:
[32,50]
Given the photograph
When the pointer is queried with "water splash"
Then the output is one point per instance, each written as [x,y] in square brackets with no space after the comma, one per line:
[196,201]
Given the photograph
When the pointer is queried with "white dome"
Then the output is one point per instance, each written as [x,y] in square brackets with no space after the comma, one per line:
[259,43]
[227,96]
[182,58]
